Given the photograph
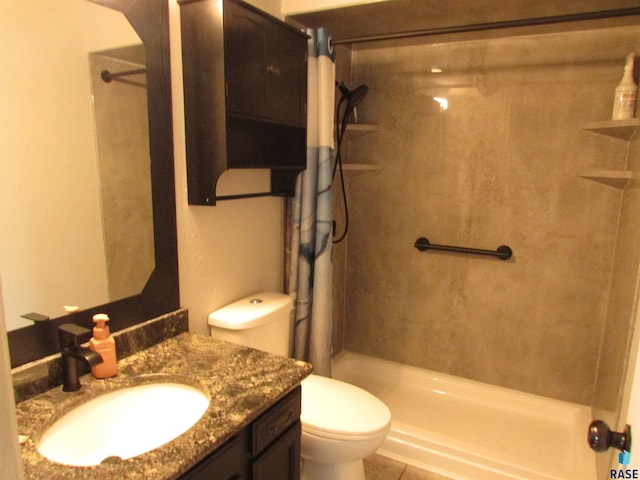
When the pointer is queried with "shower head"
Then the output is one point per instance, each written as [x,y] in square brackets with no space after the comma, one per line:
[354,97]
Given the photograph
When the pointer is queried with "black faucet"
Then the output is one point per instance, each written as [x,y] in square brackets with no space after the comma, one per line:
[72,353]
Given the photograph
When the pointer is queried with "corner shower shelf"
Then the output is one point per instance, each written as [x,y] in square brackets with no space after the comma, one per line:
[621,129]
[613,178]
[355,130]
[353,169]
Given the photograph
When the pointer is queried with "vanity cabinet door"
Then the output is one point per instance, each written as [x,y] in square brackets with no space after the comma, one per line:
[244,61]
[277,420]
[286,76]
[281,461]
[267,449]
[229,462]
[276,438]
[265,67]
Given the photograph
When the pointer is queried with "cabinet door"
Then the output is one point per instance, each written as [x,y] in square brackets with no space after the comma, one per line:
[229,462]
[265,67]
[286,75]
[281,461]
[244,61]
[276,421]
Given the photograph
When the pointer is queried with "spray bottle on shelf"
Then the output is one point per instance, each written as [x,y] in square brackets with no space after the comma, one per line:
[624,103]
[103,343]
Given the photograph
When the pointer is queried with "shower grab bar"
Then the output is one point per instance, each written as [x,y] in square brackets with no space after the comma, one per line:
[107,76]
[503,252]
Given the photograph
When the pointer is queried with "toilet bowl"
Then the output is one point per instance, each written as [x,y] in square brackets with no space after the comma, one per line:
[341,423]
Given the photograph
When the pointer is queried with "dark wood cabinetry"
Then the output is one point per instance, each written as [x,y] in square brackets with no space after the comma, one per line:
[268,449]
[264,65]
[245,84]
[229,462]
[282,460]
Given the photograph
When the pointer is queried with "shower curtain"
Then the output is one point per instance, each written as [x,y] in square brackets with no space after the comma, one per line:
[312,214]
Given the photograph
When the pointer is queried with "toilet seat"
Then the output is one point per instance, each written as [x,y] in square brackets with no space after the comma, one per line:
[338,410]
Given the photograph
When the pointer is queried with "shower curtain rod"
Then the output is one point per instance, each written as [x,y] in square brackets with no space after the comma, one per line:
[478,27]
[107,76]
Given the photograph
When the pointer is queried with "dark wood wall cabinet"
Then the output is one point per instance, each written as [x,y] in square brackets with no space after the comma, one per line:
[268,449]
[245,95]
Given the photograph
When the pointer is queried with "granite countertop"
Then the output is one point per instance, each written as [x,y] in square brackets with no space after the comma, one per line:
[242,383]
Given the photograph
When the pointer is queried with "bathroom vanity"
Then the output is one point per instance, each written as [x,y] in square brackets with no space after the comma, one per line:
[250,430]
[269,448]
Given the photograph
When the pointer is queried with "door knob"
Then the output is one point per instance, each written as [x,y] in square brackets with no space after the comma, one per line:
[600,437]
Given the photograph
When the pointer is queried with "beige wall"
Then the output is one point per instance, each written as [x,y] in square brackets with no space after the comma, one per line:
[500,166]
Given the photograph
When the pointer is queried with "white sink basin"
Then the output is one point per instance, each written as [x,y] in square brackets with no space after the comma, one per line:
[124,423]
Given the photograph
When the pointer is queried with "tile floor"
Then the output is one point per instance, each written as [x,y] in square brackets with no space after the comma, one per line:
[378,467]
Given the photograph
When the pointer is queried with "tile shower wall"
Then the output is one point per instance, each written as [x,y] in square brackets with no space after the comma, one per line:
[339,252]
[617,333]
[501,165]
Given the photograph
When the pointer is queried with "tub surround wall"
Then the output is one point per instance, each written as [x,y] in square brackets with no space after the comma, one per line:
[339,252]
[617,333]
[500,166]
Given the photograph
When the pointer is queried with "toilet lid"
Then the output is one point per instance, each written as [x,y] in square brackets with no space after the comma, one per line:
[337,408]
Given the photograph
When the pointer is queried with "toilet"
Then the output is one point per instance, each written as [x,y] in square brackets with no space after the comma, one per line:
[341,423]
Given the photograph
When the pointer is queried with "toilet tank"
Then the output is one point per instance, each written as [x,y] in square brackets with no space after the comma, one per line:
[261,321]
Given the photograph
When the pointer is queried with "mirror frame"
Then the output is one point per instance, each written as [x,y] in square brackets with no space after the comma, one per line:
[150,20]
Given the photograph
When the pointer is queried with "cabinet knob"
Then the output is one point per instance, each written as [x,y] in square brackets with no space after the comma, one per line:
[273,69]
[281,422]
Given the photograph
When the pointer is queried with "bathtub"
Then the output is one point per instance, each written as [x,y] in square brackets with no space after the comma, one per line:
[468,430]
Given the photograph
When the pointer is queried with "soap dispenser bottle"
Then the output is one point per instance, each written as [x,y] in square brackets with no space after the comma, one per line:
[103,343]
[624,103]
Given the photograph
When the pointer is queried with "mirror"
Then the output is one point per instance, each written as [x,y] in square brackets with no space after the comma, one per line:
[63,197]
[118,79]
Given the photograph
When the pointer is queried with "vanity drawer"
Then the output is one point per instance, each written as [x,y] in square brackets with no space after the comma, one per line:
[281,460]
[276,421]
